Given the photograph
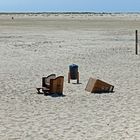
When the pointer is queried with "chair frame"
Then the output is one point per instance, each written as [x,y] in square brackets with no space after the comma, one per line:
[77,77]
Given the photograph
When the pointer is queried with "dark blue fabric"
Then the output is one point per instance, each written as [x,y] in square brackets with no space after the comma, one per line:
[73,68]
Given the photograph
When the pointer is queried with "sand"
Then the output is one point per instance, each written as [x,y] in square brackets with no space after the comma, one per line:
[103,46]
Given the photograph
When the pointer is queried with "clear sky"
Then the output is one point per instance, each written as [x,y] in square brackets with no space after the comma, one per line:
[70,5]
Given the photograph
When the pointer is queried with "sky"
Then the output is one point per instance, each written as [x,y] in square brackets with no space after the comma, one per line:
[69,5]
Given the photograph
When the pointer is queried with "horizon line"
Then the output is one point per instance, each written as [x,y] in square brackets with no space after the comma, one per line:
[69,12]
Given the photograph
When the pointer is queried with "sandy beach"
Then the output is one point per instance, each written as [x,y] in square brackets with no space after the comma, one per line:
[36,45]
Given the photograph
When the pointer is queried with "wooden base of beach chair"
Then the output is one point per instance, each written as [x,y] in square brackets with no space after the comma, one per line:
[77,78]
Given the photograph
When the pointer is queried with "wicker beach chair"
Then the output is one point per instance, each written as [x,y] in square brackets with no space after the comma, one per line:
[46,84]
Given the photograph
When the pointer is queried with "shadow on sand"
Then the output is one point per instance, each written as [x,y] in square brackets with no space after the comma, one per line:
[104,92]
[55,95]
[77,83]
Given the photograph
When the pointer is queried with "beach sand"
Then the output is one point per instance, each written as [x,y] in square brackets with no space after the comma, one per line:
[103,46]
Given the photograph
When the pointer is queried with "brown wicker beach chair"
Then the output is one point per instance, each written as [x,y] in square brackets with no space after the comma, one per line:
[52,84]
[56,85]
[46,83]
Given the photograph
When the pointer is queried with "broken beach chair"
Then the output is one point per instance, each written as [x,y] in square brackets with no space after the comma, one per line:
[52,85]
[46,84]
[98,86]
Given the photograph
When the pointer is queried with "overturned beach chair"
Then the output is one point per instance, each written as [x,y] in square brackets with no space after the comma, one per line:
[98,86]
[51,85]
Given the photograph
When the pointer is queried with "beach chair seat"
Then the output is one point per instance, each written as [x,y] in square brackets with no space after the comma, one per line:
[46,80]
[98,86]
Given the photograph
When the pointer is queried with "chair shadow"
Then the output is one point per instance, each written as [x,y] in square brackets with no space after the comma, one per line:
[111,92]
[55,95]
[77,83]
